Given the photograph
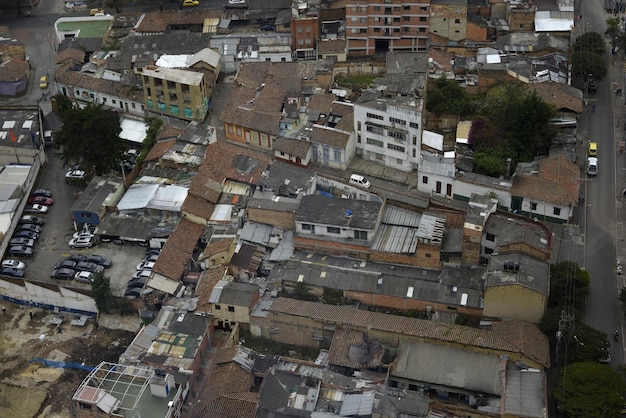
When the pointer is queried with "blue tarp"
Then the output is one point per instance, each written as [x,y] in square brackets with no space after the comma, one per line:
[61,364]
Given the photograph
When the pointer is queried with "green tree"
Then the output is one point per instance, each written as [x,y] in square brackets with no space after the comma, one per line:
[449,98]
[301,292]
[63,103]
[586,344]
[101,290]
[489,164]
[589,389]
[569,285]
[588,57]
[90,137]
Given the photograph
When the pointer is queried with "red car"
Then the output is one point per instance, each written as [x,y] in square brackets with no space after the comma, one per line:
[40,200]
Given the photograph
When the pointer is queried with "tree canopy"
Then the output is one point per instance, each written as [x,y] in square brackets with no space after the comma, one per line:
[588,57]
[569,285]
[90,137]
[590,389]
[449,97]
[101,289]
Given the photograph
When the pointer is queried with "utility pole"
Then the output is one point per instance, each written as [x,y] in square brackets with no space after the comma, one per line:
[566,326]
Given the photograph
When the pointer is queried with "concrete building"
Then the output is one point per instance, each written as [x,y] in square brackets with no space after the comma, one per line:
[231,303]
[173,92]
[448,19]
[373,28]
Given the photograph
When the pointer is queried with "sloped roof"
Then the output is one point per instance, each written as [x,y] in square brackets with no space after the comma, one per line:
[328,136]
[530,342]
[557,181]
[159,149]
[13,70]
[177,251]
[158,21]
[561,96]
[294,147]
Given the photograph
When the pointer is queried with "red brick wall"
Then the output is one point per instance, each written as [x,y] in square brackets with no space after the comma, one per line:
[475,32]
[471,246]
[331,247]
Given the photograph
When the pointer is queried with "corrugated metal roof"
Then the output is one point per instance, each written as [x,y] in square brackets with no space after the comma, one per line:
[395,239]
[396,216]
[169,198]
[431,228]
[137,196]
[524,389]
[357,404]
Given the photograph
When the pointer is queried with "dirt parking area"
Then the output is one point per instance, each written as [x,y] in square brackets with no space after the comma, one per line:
[29,389]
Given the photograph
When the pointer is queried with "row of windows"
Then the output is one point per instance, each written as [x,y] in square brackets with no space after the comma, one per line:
[555,211]
[307,41]
[375,142]
[413,125]
[375,116]
[219,308]
[397,135]
[114,102]
[387,31]
[173,109]
[395,147]
[393,9]
[334,230]
[396,120]
[438,185]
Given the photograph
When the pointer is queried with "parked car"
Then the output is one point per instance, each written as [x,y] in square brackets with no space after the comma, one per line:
[29,227]
[140,282]
[81,234]
[592,166]
[74,175]
[84,277]
[151,258]
[66,264]
[20,251]
[43,82]
[134,292]
[190,3]
[11,272]
[96,12]
[141,274]
[592,149]
[14,264]
[41,192]
[153,251]
[145,265]
[26,234]
[29,219]
[40,200]
[267,27]
[87,266]
[82,242]
[100,260]
[77,258]
[36,209]
[62,274]
[592,86]
[26,242]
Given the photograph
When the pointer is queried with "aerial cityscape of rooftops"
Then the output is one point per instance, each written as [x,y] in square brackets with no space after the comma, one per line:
[312,209]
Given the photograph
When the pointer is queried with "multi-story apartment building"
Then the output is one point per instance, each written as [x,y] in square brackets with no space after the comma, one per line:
[178,93]
[305,32]
[376,27]
[389,131]
[448,18]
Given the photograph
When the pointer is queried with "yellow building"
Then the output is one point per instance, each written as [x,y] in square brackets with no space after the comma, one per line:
[174,92]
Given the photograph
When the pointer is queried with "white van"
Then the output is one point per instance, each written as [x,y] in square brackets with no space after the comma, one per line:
[359,181]
[592,166]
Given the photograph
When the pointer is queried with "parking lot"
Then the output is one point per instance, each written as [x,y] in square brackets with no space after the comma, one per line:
[53,243]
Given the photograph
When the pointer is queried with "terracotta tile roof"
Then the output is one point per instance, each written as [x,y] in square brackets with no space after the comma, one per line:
[168,131]
[252,74]
[72,55]
[322,103]
[441,58]
[224,379]
[177,250]
[294,147]
[13,70]
[331,45]
[350,317]
[561,96]
[557,182]
[208,280]
[528,337]
[216,248]
[346,123]
[158,21]
[226,354]
[63,75]
[198,206]
[329,136]
[231,406]
[159,149]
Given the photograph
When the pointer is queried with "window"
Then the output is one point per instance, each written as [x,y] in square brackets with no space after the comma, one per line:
[448,190]
[414,125]
[490,237]
[557,211]
[376,142]
[358,138]
[238,131]
[422,30]
[354,30]
[396,19]
[308,29]
[354,19]
[374,116]
[414,152]
[399,161]
[300,41]
[422,19]
[488,251]
[283,59]
[397,135]
[376,30]
[425,179]
[406,18]
[395,147]
[363,30]
[407,7]
[337,154]
[300,28]
[132,105]
[231,309]
[533,206]
[457,20]
[230,129]
[377,9]
[308,41]
[360,234]
[376,19]
[218,308]
[308,227]
[104,100]
[363,20]
[396,30]
[333,230]
[414,139]
[397,121]
[114,102]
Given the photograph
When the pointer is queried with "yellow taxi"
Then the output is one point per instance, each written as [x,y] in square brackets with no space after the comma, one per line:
[96,12]
[190,3]
[592,150]
[43,82]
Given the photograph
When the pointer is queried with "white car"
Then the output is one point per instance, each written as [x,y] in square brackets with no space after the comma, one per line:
[84,277]
[592,166]
[82,242]
[14,264]
[36,209]
[145,265]
[74,175]
[236,1]
[82,234]
[359,181]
